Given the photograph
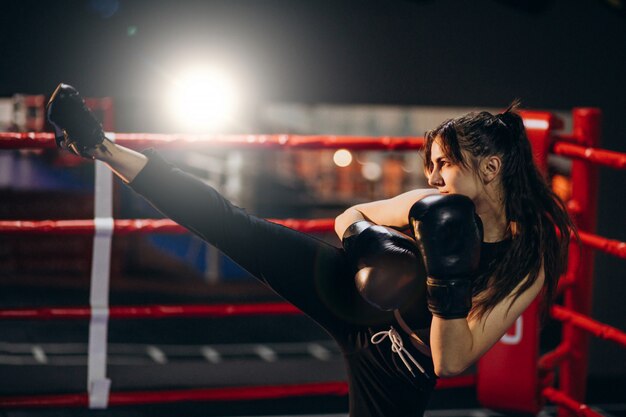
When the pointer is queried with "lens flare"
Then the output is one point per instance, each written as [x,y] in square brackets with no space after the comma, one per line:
[204,99]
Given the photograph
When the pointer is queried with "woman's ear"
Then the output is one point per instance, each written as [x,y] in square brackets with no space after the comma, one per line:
[490,168]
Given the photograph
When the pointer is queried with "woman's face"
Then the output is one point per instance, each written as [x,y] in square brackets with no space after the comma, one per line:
[449,177]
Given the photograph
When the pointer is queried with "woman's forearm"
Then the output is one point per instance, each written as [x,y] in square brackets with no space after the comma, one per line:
[451,344]
[124,162]
[391,212]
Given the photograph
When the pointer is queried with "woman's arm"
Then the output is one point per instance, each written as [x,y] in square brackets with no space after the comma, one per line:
[458,343]
[393,212]
[124,162]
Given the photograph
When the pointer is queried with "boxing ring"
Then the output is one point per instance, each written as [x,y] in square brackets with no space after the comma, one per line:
[535,374]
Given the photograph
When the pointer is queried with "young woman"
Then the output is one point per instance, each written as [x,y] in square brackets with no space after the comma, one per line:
[526,228]
[393,354]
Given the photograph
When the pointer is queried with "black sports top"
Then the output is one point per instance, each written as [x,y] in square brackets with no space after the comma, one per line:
[490,254]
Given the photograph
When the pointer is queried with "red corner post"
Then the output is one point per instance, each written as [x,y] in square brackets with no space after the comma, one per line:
[578,297]
[507,377]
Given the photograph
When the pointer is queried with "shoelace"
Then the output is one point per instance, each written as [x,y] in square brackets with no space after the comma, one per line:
[398,348]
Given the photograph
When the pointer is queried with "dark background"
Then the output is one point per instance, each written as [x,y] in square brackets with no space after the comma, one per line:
[551,54]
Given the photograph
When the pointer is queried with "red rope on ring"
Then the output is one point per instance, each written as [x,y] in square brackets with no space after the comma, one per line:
[552,359]
[12,140]
[141,226]
[138,226]
[152,312]
[27,140]
[40,401]
[337,388]
[229,394]
[156,397]
[598,156]
[559,398]
[610,246]
[603,331]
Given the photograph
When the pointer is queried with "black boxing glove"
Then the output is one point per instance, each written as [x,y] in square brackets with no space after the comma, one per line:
[449,234]
[75,126]
[389,267]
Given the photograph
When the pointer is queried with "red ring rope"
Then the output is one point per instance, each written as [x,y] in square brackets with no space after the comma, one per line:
[611,159]
[156,397]
[10,140]
[600,330]
[558,397]
[338,388]
[553,358]
[151,312]
[610,246]
[221,310]
[134,226]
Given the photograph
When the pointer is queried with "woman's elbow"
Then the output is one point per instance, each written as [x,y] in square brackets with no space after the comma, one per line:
[340,224]
[446,369]
[345,219]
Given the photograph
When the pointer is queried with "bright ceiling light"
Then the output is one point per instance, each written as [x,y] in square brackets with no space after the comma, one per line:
[203,99]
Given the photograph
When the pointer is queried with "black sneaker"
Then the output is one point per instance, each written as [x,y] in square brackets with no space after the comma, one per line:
[75,126]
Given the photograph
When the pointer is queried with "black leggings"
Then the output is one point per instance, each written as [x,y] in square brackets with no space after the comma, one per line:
[307,272]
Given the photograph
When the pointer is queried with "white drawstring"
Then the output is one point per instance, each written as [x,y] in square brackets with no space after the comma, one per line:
[397,347]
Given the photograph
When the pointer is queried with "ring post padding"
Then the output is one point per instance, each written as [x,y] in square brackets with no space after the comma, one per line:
[587,124]
[98,385]
[507,376]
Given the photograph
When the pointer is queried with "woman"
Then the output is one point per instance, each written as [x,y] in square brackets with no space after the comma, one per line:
[483,157]
[526,227]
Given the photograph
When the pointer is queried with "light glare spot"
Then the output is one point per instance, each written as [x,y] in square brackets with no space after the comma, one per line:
[371,171]
[203,99]
[342,158]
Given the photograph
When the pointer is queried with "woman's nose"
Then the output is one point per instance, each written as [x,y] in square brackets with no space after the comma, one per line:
[434,179]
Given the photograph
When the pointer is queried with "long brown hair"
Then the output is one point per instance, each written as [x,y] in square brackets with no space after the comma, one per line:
[538,221]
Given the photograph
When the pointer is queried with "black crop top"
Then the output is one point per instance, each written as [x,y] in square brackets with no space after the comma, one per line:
[490,254]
